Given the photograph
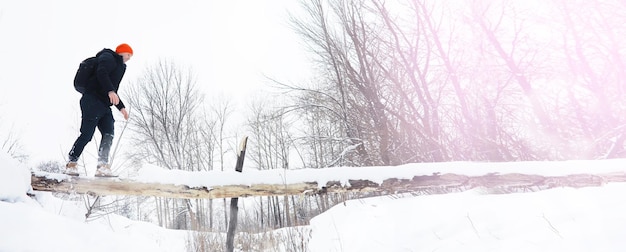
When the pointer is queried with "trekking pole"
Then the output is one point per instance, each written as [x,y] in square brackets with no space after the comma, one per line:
[117,143]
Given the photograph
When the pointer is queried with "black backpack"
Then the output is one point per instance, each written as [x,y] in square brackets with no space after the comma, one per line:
[86,70]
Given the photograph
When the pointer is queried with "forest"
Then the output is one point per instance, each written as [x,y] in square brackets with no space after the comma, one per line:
[396,82]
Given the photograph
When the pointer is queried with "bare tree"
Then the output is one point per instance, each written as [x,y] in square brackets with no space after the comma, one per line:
[168,131]
[12,146]
[271,138]
[415,81]
[10,143]
[594,57]
[165,106]
[220,111]
[272,143]
[352,80]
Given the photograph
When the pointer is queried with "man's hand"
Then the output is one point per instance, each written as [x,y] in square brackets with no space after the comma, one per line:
[125,113]
[114,98]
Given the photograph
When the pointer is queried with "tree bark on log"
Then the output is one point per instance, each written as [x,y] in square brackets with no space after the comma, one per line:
[424,184]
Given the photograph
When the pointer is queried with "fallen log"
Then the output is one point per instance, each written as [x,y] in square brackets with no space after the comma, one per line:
[423,184]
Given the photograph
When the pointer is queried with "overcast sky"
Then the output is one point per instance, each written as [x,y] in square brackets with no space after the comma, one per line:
[229,45]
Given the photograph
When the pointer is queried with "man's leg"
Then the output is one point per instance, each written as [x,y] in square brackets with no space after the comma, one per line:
[106,127]
[88,125]
[105,148]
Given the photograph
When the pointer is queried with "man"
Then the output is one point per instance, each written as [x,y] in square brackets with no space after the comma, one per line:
[95,105]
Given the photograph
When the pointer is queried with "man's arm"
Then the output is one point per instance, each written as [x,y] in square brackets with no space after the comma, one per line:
[106,64]
[120,105]
[122,109]
[124,113]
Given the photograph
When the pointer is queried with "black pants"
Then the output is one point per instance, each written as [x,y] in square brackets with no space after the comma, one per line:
[94,114]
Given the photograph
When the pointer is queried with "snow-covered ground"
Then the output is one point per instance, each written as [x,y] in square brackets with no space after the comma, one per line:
[561,219]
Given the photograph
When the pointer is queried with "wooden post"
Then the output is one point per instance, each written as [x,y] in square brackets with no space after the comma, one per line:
[232,225]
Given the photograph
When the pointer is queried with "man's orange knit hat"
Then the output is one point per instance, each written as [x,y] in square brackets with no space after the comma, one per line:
[124,48]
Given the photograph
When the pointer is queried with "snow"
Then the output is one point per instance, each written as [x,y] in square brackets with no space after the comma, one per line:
[14,179]
[564,219]
[28,227]
[560,219]
[155,174]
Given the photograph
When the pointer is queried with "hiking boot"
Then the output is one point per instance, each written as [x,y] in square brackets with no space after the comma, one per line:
[104,170]
[71,168]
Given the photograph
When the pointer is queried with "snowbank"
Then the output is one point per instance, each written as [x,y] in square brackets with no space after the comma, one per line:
[563,219]
[14,179]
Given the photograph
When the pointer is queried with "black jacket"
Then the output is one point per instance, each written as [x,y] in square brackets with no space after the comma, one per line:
[109,72]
